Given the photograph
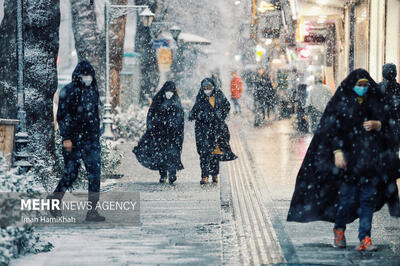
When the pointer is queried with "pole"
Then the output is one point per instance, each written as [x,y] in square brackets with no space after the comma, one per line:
[21,155]
[351,55]
[107,120]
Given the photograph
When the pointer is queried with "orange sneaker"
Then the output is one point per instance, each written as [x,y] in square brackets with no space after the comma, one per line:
[340,239]
[366,244]
[204,181]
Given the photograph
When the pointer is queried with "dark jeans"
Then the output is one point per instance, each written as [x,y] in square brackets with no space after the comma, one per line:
[89,152]
[236,105]
[353,196]
[164,173]
[209,165]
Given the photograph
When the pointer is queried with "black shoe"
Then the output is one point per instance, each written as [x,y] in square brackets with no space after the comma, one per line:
[53,211]
[94,216]
[162,180]
[172,179]
[215,179]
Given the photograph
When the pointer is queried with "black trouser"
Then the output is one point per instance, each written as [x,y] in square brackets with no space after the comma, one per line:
[89,152]
[164,173]
[209,165]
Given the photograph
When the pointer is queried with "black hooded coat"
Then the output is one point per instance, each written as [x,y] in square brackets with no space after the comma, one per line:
[78,107]
[160,148]
[210,126]
[316,195]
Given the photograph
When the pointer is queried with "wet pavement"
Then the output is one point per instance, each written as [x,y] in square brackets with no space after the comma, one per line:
[275,152]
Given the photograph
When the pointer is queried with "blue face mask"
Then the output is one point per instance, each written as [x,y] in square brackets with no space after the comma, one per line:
[360,90]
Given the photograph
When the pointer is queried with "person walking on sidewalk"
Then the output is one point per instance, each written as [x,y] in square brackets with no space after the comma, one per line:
[160,148]
[79,124]
[343,175]
[391,91]
[318,97]
[212,133]
[263,93]
[215,76]
[236,91]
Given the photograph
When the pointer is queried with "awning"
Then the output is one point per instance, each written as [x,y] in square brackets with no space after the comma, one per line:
[190,38]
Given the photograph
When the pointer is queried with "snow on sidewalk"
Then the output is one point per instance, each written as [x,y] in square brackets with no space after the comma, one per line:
[181,224]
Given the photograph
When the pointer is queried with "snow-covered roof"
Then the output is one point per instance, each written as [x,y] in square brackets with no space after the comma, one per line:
[193,39]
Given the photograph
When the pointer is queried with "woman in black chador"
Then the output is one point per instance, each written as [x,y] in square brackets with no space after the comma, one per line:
[212,133]
[344,175]
[160,148]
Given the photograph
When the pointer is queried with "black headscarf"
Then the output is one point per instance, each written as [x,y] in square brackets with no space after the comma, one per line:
[347,85]
[160,101]
[389,72]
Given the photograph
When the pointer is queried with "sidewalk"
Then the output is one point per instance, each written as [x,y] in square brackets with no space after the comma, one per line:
[181,224]
[276,153]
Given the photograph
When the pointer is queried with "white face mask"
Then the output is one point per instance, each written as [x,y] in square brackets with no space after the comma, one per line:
[208,92]
[87,80]
[169,94]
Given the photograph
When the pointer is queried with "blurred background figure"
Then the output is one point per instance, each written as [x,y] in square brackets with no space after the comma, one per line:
[236,91]
[215,76]
[300,99]
[318,96]
[263,93]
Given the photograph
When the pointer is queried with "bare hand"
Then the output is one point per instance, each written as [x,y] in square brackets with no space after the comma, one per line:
[340,162]
[372,125]
[67,145]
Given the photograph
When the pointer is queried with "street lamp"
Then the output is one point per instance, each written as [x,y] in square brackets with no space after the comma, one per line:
[175,31]
[147,17]
[115,11]
[21,154]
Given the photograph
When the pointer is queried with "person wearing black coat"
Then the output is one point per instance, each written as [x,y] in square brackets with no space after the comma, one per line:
[79,124]
[391,91]
[212,133]
[343,175]
[264,96]
[390,88]
[160,148]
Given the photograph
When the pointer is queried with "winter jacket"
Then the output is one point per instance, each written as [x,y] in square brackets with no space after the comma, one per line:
[160,148]
[316,194]
[210,126]
[236,88]
[78,107]
[263,89]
